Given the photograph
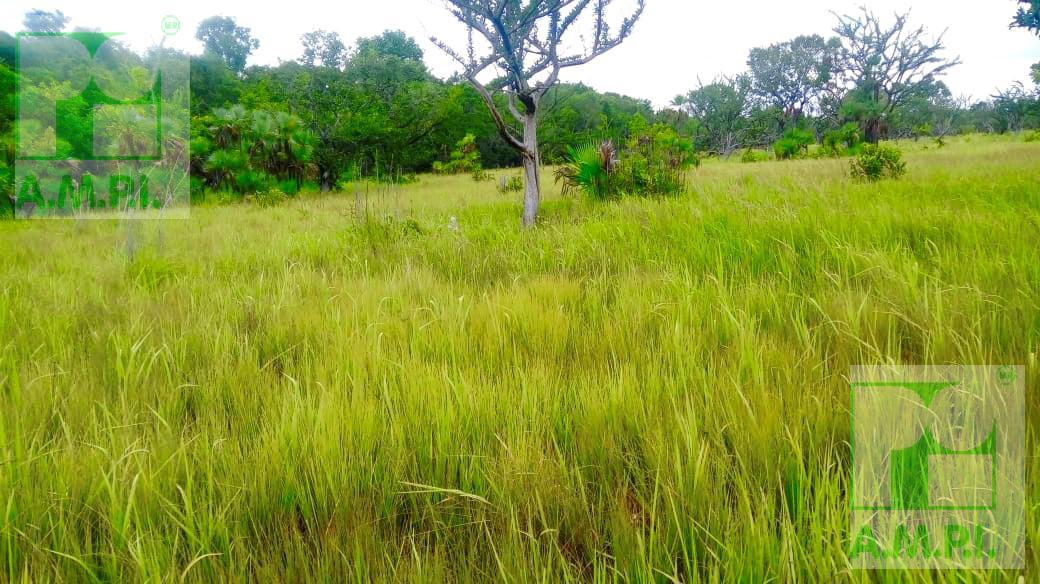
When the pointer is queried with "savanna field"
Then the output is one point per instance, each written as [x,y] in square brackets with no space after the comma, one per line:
[355,387]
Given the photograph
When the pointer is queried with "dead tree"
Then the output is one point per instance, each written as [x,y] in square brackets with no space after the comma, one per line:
[887,64]
[529,42]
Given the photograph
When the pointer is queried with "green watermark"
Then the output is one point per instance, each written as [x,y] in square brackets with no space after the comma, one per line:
[101,129]
[938,468]
[171,25]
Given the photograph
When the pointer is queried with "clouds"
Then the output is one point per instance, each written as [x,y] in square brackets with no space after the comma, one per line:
[677,42]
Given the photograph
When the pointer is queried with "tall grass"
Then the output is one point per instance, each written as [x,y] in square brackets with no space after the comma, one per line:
[650,390]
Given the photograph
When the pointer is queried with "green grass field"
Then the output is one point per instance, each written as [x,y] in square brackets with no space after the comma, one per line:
[343,388]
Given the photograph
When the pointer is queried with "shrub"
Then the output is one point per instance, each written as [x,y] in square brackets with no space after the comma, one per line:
[198,189]
[465,159]
[589,169]
[655,163]
[6,191]
[289,187]
[876,162]
[1033,136]
[271,197]
[512,184]
[245,152]
[6,179]
[845,139]
[751,156]
[922,131]
[251,181]
[794,144]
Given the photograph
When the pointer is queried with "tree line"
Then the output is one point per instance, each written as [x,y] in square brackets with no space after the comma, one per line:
[339,111]
[882,77]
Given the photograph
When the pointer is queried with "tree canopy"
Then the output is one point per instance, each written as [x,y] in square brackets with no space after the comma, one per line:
[1028,16]
[223,37]
[323,48]
[793,75]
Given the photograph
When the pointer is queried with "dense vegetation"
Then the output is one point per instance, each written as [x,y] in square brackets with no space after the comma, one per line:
[375,109]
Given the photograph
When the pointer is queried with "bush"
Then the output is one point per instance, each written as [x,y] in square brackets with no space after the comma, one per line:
[751,156]
[655,163]
[922,131]
[251,181]
[351,177]
[877,162]
[1033,136]
[465,159]
[589,169]
[246,152]
[481,175]
[198,189]
[289,187]
[512,184]
[845,139]
[6,180]
[6,191]
[794,144]
[270,198]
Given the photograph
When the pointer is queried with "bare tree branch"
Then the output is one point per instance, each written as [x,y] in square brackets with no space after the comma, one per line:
[523,39]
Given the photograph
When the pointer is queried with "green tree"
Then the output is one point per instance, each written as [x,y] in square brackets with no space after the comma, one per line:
[792,75]
[1028,17]
[574,115]
[721,110]
[530,42]
[1015,109]
[213,84]
[924,112]
[383,112]
[222,36]
[391,43]
[323,48]
[281,146]
[323,99]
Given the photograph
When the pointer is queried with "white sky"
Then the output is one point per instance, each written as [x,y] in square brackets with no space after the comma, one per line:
[676,43]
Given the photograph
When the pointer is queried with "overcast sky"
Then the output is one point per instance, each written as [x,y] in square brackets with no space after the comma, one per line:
[676,43]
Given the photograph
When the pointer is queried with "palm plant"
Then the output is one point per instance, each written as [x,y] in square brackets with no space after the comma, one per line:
[589,169]
[126,131]
[228,125]
[224,165]
[282,147]
[295,148]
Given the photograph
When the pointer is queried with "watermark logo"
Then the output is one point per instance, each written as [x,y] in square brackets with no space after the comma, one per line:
[171,25]
[938,470]
[101,130]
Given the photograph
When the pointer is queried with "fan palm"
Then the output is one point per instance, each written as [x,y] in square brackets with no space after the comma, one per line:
[589,169]
[228,125]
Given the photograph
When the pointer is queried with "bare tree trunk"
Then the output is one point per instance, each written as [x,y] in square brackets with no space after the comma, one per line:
[532,181]
[873,131]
